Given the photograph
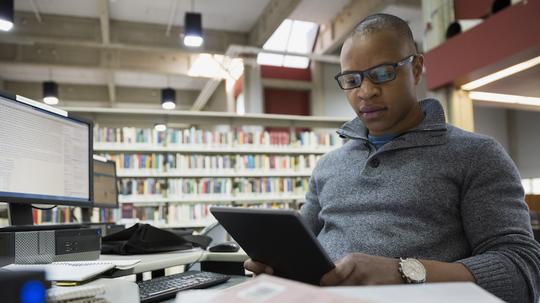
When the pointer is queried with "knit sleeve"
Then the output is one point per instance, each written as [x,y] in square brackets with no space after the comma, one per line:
[505,256]
[310,210]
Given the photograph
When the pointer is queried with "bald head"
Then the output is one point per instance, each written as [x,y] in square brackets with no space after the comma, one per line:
[384,22]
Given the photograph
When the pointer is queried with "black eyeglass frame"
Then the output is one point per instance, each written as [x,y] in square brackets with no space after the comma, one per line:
[365,73]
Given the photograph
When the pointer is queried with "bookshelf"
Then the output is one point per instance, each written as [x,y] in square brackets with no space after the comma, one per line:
[171,178]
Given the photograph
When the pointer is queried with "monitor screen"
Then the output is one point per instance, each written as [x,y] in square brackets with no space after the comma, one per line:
[105,190]
[45,154]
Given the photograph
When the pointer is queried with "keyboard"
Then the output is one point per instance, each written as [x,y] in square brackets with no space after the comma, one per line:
[166,287]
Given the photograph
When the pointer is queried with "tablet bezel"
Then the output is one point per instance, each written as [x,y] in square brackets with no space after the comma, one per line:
[289,246]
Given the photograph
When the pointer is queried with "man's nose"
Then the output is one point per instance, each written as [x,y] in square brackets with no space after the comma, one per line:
[367,90]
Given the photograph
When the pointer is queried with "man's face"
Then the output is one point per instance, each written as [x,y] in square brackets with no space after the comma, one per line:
[384,108]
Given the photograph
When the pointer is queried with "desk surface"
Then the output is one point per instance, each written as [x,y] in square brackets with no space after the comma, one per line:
[466,292]
[151,262]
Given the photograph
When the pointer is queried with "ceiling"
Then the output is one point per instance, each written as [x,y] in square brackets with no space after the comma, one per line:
[222,15]
[65,41]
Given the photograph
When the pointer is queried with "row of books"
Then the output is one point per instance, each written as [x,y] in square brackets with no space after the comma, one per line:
[176,161]
[194,136]
[148,213]
[73,214]
[180,186]
[105,215]
[179,213]
[56,215]
[184,214]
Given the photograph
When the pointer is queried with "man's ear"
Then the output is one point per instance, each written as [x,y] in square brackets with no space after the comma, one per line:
[418,66]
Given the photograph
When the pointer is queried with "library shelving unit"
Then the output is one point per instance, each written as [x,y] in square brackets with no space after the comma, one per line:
[171,178]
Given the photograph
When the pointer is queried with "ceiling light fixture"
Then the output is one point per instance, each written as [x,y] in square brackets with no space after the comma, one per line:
[50,92]
[504,98]
[501,74]
[160,127]
[168,98]
[193,30]
[193,36]
[6,15]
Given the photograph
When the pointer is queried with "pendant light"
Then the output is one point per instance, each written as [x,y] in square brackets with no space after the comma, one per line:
[168,98]
[50,92]
[193,36]
[6,15]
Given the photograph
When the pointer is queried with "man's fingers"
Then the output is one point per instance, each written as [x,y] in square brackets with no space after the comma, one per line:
[340,273]
[257,267]
[330,278]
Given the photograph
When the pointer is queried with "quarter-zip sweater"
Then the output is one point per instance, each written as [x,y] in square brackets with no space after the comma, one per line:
[434,192]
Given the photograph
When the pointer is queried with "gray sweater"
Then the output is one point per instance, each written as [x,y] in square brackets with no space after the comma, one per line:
[435,192]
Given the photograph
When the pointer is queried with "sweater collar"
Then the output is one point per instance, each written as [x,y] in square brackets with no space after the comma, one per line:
[433,120]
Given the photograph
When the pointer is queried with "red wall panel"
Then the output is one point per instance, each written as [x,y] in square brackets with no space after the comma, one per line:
[288,102]
[278,72]
[507,33]
[476,9]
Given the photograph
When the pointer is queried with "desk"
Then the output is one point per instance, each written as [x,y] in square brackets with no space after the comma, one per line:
[155,262]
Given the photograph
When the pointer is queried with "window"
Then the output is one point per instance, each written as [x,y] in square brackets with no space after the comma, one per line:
[291,36]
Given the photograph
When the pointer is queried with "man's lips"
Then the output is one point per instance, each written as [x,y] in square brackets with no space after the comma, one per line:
[369,113]
[367,110]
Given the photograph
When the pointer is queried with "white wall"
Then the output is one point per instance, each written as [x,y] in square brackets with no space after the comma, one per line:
[492,122]
[519,133]
[526,136]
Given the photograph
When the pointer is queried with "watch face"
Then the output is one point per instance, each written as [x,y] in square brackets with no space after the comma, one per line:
[414,270]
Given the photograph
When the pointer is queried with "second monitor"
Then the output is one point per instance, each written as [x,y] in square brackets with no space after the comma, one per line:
[105,194]
[105,188]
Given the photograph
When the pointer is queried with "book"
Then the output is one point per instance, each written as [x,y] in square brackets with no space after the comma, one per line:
[76,271]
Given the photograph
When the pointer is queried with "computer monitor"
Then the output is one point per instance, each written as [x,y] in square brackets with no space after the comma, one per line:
[105,187]
[45,157]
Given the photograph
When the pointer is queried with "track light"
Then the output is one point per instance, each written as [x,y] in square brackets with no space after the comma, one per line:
[193,36]
[50,92]
[504,98]
[502,74]
[168,98]
[6,15]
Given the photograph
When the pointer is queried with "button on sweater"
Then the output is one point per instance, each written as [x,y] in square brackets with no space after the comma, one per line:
[435,192]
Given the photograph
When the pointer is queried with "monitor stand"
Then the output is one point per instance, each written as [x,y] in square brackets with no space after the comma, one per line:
[20,214]
[86,215]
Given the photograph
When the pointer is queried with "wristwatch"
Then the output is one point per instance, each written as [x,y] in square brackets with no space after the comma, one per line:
[412,271]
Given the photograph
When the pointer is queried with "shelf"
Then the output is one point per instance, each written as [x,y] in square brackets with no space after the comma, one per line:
[209,198]
[138,173]
[142,147]
[124,115]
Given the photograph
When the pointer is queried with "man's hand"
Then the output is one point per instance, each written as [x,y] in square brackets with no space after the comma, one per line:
[257,268]
[362,269]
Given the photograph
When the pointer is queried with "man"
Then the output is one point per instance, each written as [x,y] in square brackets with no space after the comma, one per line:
[409,198]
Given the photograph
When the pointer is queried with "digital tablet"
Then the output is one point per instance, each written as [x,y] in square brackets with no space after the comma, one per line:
[278,238]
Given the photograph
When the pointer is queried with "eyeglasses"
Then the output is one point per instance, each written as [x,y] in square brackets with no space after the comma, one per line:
[378,74]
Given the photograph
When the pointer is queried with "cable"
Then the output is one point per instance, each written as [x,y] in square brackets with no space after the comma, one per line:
[198,260]
[43,208]
[72,212]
